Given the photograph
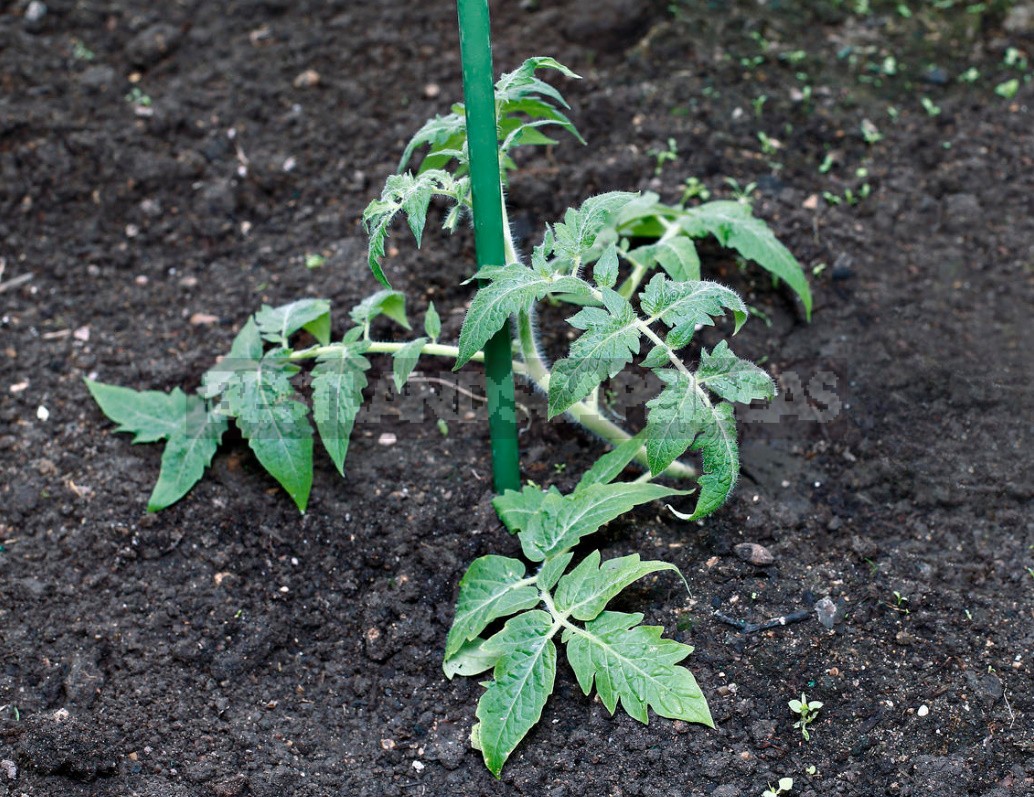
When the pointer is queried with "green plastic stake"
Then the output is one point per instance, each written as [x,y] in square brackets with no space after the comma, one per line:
[487,195]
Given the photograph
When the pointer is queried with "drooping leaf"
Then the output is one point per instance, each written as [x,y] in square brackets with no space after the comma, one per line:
[405,360]
[432,322]
[682,418]
[522,83]
[562,520]
[274,422]
[735,226]
[634,666]
[409,194]
[277,324]
[609,466]
[508,290]
[149,415]
[677,256]
[585,591]
[674,419]
[610,341]
[732,378]
[517,507]
[187,453]
[523,680]
[492,587]
[684,306]
[385,302]
[338,381]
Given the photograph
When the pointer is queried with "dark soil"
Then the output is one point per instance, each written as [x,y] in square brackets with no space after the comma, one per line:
[229,646]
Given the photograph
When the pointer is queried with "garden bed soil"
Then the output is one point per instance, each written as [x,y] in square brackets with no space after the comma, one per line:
[231,646]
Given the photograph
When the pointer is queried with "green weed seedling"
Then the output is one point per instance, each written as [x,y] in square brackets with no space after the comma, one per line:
[785,786]
[628,265]
[806,712]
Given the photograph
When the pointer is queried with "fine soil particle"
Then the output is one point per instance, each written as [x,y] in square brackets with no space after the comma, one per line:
[159,162]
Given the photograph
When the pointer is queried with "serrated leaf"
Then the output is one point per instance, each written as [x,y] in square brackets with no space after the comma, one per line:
[516,508]
[634,666]
[681,418]
[149,415]
[605,272]
[585,591]
[552,569]
[684,306]
[562,520]
[405,360]
[338,381]
[657,357]
[187,454]
[245,352]
[609,466]
[470,659]
[410,194]
[677,256]
[523,681]
[521,82]
[386,302]
[735,226]
[275,423]
[610,342]
[508,290]
[733,379]
[674,419]
[277,324]
[432,322]
[492,587]
[576,235]
[435,132]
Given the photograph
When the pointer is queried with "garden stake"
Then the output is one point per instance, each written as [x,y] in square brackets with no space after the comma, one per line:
[483,144]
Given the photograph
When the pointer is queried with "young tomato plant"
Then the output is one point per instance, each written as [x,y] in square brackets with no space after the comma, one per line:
[628,663]
[619,236]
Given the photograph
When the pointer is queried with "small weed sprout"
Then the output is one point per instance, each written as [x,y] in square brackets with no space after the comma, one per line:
[663,156]
[784,786]
[807,713]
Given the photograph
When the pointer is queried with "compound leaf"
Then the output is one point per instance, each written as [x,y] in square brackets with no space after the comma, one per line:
[634,666]
[610,341]
[187,453]
[523,680]
[338,381]
[277,324]
[508,290]
[735,226]
[585,591]
[492,587]
[732,378]
[684,306]
[149,415]
[576,235]
[562,520]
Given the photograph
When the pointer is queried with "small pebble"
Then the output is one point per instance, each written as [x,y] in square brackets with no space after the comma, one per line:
[307,79]
[203,319]
[82,333]
[34,14]
[755,554]
[42,413]
[432,90]
[387,439]
[9,768]
[387,744]
[923,710]
[418,766]
[827,612]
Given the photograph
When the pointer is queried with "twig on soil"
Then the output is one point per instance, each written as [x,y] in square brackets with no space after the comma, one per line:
[14,282]
[750,628]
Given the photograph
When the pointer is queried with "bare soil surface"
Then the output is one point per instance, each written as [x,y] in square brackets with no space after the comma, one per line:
[166,167]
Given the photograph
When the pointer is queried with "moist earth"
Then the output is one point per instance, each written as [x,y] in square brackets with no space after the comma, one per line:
[166,168]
